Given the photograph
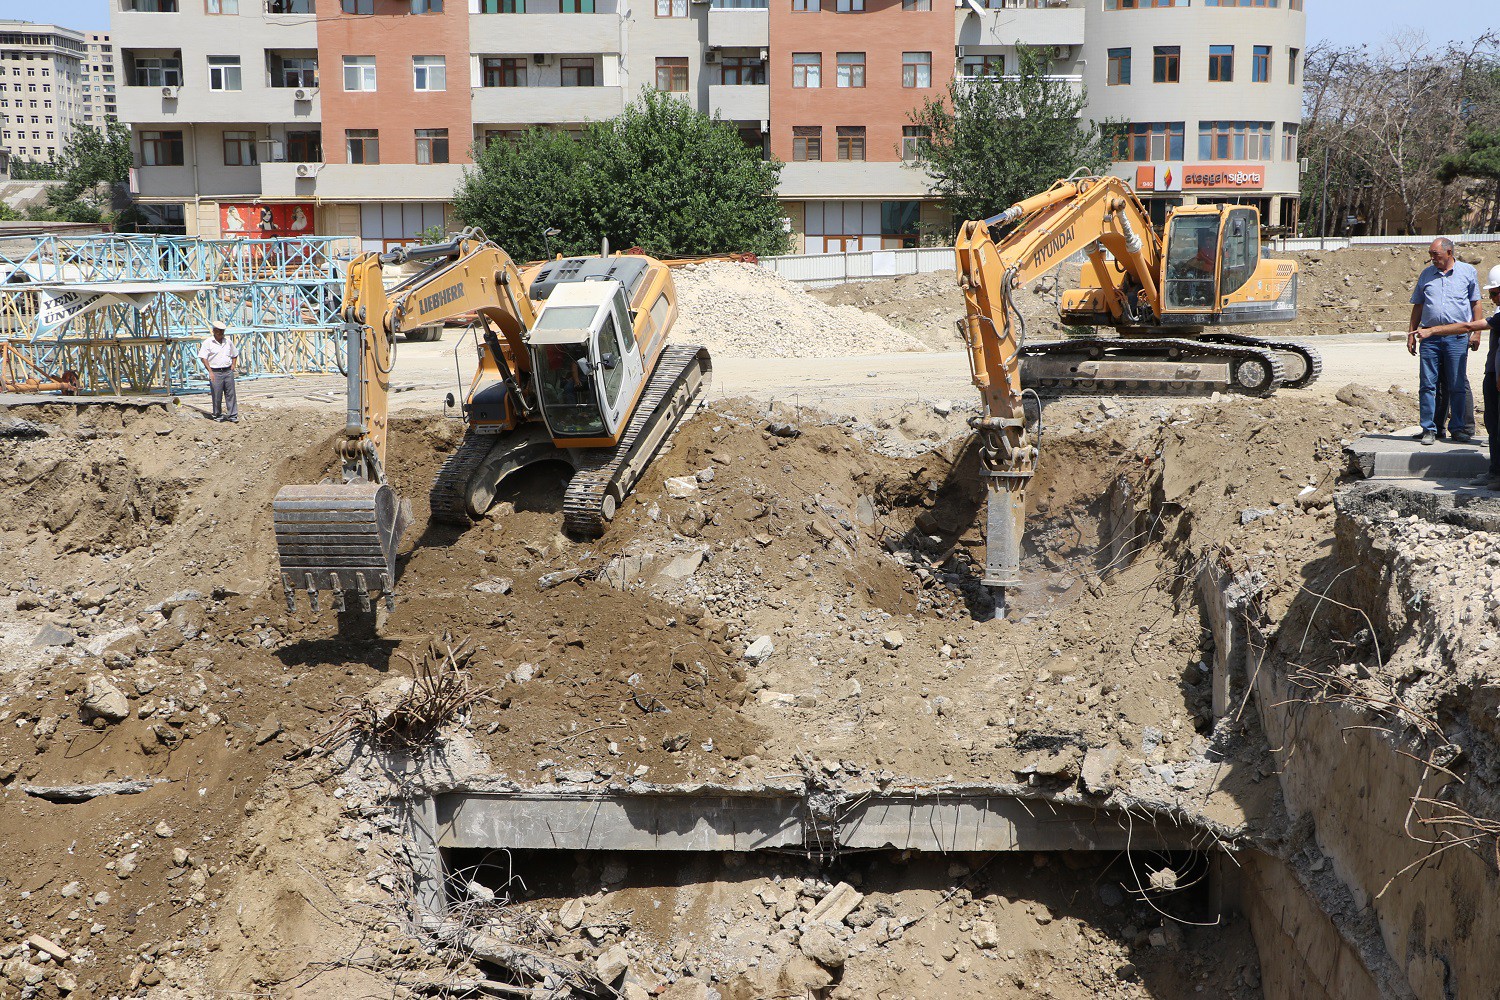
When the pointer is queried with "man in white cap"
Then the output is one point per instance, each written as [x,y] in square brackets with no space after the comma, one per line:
[218,356]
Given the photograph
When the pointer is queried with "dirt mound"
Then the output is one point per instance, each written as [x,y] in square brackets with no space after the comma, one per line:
[746,311]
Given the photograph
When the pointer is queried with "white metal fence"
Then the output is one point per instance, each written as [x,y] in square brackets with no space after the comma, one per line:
[818,270]
[1342,242]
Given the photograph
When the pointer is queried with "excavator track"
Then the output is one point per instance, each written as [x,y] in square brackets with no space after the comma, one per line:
[450,492]
[1253,370]
[597,489]
[1312,361]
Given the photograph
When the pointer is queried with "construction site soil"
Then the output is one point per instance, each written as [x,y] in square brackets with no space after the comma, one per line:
[1349,290]
[788,594]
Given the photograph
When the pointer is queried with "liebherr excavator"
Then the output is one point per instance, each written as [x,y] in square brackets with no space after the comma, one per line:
[574,365]
[1158,293]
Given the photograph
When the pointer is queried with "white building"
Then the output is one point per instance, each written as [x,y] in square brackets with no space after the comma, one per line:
[99,81]
[41,96]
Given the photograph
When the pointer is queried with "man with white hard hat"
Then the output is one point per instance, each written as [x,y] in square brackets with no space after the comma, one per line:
[218,356]
[1491,479]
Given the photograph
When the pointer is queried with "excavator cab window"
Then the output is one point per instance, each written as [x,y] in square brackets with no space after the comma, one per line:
[1192,262]
[1241,249]
[611,359]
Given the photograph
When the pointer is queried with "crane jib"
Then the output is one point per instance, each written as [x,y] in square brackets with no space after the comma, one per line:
[1052,247]
[441,297]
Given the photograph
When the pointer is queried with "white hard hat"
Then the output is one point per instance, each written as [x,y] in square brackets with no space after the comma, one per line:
[218,324]
[1494,280]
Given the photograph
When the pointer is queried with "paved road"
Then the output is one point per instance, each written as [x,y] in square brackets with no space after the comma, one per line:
[425,373]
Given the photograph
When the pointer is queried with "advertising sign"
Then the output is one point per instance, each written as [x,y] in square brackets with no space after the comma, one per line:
[1213,176]
[265,221]
[1162,177]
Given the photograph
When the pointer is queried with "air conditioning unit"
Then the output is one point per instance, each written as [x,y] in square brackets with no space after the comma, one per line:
[711,56]
[1062,52]
[304,93]
[308,169]
[170,93]
[272,150]
[540,58]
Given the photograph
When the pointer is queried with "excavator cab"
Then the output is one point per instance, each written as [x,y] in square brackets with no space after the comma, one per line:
[586,361]
[1214,274]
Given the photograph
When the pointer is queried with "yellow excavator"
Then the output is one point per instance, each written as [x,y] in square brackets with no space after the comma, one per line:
[574,365]
[1159,293]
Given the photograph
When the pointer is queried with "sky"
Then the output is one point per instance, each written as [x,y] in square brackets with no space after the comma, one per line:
[1344,21]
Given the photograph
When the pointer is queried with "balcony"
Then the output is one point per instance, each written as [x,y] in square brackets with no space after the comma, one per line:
[360,181]
[978,25]
[861,179]
[531,105]
[546,32]
[198,104]
[1074,80]
[740,102]
[738,27]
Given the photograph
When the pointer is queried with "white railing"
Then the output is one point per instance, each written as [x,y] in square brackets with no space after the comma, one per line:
[820,269]
[1341,242]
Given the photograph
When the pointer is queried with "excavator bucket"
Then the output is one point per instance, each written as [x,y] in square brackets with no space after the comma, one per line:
[339,538]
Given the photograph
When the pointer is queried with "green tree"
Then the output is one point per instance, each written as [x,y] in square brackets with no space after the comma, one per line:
[661,176]
[1479,160]
[991,142]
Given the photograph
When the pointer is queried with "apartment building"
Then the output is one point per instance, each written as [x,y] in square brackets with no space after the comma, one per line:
[41,79]
[356,117]
[99,81]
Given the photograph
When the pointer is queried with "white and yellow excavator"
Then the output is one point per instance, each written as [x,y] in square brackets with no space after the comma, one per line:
[574,364]
[1159,293]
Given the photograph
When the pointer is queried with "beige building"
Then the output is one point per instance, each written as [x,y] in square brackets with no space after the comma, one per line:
[100,82]
[41,95]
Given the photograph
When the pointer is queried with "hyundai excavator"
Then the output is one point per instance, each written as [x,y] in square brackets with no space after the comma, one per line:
[574,365]
[1160,293]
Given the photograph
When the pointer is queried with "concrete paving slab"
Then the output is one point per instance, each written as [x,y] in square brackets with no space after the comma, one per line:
[1389,456]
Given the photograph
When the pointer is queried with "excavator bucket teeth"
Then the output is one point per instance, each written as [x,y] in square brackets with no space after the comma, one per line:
[338,538]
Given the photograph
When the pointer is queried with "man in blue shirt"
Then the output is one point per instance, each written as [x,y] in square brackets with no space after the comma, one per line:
[1447,293]
[1491,479]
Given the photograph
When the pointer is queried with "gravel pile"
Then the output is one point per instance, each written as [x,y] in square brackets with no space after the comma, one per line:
[746,311]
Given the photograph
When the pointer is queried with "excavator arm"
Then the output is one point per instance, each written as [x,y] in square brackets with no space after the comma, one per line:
[342,537]
[1091,214]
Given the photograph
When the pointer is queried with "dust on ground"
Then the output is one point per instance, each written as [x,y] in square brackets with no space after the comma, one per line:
[145,643]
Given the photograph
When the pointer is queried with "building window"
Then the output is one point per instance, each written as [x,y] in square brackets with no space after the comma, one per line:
[577,6]
[429,73]
[501,135]
[1220,63]
[504,71]
[672,74]
[807,69]
[1260,64]
[916,4]
[807,142]
[1140,4]
[220,7]
[578,72]
[1236,140]
[913,142]
[503,7]
[304,147]
[806,5]
[1291,64]
[426,6]
[1119,68]
[161,149]
[916,69]
[223,72]
[152,7]
[239,149]
[851,140]
[432,145]
[742,71]
[294,71]
[671,8]
[359,73]
[362,145]
[289,6]
[358,6]
[1289,141]
[850,6]
[899,224]
[990,67]
[1166,63]
[851,69]
[1144,142]
[158,73]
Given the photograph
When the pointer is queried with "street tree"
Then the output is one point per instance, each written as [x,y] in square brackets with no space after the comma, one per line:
[662,176]
[991,141]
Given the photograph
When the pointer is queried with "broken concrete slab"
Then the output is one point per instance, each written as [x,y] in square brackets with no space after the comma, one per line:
[837,905]
[1388,456]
